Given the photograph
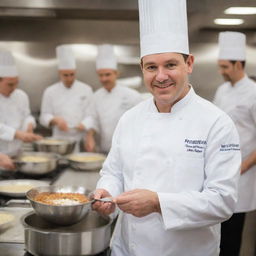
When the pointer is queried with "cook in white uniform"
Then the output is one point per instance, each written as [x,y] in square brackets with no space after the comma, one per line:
[109,102]
[174,163]
[237,97]
[6,162]
[16,122]
[65,103]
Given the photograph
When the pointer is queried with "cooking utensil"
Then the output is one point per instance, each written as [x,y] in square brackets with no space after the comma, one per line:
[60,214]
[54,145]
[78,161]
[36,168]
[18,188]
[88,237]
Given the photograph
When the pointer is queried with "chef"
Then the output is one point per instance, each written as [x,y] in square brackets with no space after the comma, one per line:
[16,122]
[237,97]
[109,102]
[65,103]
[174,163]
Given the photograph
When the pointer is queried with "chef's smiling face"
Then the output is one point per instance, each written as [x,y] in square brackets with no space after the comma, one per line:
[8,85]
[166,77]
[107,78]
[67,77]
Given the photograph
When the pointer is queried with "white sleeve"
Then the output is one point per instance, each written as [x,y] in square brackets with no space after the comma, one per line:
[216,202]
[111,175]
[91,121]
[6,132]
[28,118]
[46,110]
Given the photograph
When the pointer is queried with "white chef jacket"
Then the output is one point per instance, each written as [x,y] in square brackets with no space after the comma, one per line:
[106,109]
[14,115]
[191,158]
[68,103]
[239,102]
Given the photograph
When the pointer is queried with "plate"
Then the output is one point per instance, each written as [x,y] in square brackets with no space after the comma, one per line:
[19,188]
[6,220]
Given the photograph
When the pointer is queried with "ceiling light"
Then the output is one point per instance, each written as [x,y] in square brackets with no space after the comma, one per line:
[228,21]
[241,10]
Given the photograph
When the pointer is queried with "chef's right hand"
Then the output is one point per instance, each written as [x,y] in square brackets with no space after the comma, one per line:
[6,162]
[27,136]
[60,123]
[103,208]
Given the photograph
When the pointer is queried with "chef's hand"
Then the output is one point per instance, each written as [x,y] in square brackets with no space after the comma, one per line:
[6,162]
[138,202]
[103,208]
[27,136]
[30,128]
[80,127]
[60,123]
[90,143]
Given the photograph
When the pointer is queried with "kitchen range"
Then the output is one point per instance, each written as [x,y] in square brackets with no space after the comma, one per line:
[22,236]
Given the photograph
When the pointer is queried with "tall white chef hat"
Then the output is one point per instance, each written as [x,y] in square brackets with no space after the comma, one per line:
[163,26]
[66,58]
[106,57]
[7,65]
[232,46]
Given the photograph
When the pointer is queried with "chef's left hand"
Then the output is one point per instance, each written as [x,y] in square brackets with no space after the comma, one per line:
[138,202]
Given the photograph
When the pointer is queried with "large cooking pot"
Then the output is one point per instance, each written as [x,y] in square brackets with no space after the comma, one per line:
[54,145]
[88,237]
[36,167]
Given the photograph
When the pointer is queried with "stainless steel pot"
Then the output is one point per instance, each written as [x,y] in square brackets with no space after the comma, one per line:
[88,237]
[37,168]
[58,146]
[60,214]
[86,165]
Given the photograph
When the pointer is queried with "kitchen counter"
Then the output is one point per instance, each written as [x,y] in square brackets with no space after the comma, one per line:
[12,239]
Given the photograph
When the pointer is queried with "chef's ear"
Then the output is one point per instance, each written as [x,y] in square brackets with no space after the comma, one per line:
[117,73]
[190,62]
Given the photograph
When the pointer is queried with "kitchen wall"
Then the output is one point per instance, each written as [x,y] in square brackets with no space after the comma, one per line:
[33,45]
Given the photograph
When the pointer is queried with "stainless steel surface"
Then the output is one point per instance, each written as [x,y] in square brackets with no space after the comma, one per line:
[63,147]
[22,182]
[88,237]
[15,233]
[84,179]
[86,165]
[60,214]
[37,168]
[12,249]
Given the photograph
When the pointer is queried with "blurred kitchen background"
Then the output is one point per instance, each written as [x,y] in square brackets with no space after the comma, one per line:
[31,29]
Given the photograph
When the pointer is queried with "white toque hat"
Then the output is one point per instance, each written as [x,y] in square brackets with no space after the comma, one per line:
[232,46]
[163,26]
[7,65]
[65,57]
[106,57]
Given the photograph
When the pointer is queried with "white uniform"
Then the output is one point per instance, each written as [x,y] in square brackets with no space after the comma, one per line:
[191,161]
[69,103]
[14,115]
[239,102]
[106,110]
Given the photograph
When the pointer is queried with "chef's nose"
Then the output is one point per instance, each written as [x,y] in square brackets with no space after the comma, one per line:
[161,74]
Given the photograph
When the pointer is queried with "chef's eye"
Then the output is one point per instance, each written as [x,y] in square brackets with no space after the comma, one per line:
[171,65]
[151,68]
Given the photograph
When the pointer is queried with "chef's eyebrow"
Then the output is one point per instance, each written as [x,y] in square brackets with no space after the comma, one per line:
[166,62]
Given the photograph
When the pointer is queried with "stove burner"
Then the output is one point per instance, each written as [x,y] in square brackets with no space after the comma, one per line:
[104,253]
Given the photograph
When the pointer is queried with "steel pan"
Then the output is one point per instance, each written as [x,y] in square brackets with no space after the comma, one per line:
[88,237]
